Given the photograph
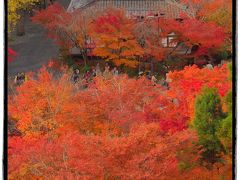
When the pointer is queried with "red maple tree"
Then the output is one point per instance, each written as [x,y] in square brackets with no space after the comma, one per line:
[186,84]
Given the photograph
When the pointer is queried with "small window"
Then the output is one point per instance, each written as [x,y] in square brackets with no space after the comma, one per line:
[165,42]
[169,41]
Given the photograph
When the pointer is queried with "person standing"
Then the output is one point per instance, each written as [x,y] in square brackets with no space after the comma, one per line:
[115,71]
[17,79]
[140,74]
[106,73]
[22,78]
[94,73]
[149,77]
[154,80]
[209,65]
[87,77]
[76,76]
[98,70]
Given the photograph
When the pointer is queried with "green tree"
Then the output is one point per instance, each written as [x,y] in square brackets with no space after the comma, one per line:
[225,130]
[208,118]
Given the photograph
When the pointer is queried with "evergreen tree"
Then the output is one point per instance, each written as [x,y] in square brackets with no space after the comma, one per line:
[208,118]
[225,130]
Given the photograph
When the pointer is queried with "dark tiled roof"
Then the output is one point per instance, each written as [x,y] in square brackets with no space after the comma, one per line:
[132,7]
[76,4]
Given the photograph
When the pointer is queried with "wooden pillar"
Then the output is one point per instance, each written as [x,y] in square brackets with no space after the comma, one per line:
[152,66]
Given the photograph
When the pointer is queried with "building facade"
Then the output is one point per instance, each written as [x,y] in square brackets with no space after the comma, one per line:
[138,9]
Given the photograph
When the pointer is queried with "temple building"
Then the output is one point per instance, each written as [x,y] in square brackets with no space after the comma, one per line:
[137,9]
[133,8]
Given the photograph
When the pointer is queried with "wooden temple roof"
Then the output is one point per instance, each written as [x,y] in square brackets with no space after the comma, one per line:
[131,7]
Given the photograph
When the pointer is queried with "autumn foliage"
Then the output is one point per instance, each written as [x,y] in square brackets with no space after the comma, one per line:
[69,30]
[186,84]
[116,128]
[217,11]
[13,9]
[192,31]
[113,34]
[54,19]
[103,108]
[115,37]
[143,153]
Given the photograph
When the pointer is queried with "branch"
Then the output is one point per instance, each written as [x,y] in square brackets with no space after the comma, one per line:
[191,14]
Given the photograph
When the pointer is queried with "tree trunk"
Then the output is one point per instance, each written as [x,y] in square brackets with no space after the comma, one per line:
[20,24]
[152,66]
[44,4]
[84,58]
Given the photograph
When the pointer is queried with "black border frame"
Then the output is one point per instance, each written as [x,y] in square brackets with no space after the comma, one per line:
[5,122]
[234,90]
[234,85]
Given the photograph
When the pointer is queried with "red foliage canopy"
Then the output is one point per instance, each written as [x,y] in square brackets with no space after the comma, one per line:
[116,128]
[186,84]
[192,31]
[144,152]
[58,23]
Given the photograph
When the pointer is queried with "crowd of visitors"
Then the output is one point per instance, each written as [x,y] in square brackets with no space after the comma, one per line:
[90,74]
[151,77]
[84,79]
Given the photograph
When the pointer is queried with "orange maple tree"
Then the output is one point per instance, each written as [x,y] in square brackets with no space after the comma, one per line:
[186,84]
[38,103]
[106,105]
[116,128]
[144,152]
[113,34]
